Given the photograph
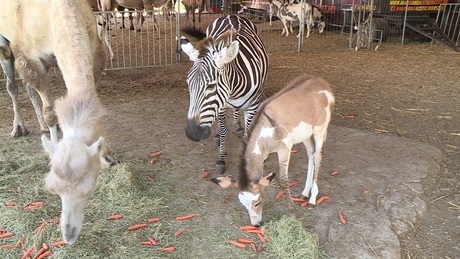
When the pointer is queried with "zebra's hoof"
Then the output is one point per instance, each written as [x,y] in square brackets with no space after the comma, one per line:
[221,167]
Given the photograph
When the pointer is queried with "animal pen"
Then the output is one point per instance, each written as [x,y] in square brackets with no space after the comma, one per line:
[356,24]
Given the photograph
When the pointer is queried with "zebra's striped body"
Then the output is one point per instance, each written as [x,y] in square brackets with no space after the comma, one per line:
[229,70]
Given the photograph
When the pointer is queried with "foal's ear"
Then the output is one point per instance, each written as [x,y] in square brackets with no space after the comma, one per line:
[49,146]
[225,182]
[265,181]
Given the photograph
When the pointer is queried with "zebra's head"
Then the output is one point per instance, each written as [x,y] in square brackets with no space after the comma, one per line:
[207,81]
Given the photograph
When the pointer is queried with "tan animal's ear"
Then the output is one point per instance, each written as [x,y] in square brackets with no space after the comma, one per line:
[265,181]
[225,182]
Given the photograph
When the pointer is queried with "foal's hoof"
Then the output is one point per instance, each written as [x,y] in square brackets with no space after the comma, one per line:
[221,167]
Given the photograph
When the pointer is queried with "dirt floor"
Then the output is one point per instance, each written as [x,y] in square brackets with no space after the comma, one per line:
[409,91]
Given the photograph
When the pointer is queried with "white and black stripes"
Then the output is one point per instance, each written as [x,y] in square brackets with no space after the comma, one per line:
[229,70]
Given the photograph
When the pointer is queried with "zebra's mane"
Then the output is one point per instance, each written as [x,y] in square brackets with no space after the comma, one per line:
[211,44]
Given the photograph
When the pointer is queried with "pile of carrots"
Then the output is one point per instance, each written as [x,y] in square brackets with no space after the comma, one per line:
[243,242]
[150,240]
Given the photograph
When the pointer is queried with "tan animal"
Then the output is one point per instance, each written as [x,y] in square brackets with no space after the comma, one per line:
[45,33]
[299,113]
[190,7]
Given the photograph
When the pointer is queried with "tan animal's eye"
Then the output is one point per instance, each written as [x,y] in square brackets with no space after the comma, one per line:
[257,204]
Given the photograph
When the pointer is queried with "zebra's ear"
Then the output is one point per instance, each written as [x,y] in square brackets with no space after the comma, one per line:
[227,54]
[188,48]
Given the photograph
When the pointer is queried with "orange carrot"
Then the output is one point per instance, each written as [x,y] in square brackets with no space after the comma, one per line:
[58,243]
[365,191]
[342,218]
[293,183]
[115,216]
[205,175]
[178,232]
[245,240]
[262,239]
[254,231]
[238,244]
[8,234]
[254,247]
[151,220]
[297,199]
[33,205]
[110,248]
[304,204]
[44,255]
[150,178]
[39,228]
[166,249]
[279,195]
[20,240]
[335,172]
[152,241]
[152,162]
[293,151]
[185,217]
[146,243]
[7,246]
[350,116]
[248,228]
[226,199]
[40,252]
[9,203]
[138,226]
[45,245]
[155,154]
[2,230]
[324,197]
[27,253]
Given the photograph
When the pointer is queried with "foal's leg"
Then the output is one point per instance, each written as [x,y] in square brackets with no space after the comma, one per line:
[284,156]
[222,130]
[319,141]
[309,179]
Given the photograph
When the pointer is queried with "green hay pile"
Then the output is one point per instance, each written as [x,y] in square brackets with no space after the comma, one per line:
[287,238]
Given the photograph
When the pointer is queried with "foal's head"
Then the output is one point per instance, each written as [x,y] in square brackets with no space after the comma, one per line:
[74,170]
[251,194]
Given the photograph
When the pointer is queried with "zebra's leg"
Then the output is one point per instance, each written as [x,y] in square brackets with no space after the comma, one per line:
[222,131]
[237,122]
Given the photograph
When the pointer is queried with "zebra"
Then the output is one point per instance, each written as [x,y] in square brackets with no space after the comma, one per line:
[229,70]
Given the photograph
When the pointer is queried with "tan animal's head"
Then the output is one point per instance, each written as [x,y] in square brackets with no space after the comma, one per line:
[250,196]
[74,170]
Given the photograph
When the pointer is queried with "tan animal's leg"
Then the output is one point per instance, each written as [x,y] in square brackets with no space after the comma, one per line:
[35,73]
[35,99]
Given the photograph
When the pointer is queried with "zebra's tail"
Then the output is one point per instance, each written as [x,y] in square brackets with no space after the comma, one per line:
[193,32]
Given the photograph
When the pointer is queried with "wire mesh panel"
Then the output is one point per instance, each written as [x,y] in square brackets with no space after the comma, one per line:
[140,39]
